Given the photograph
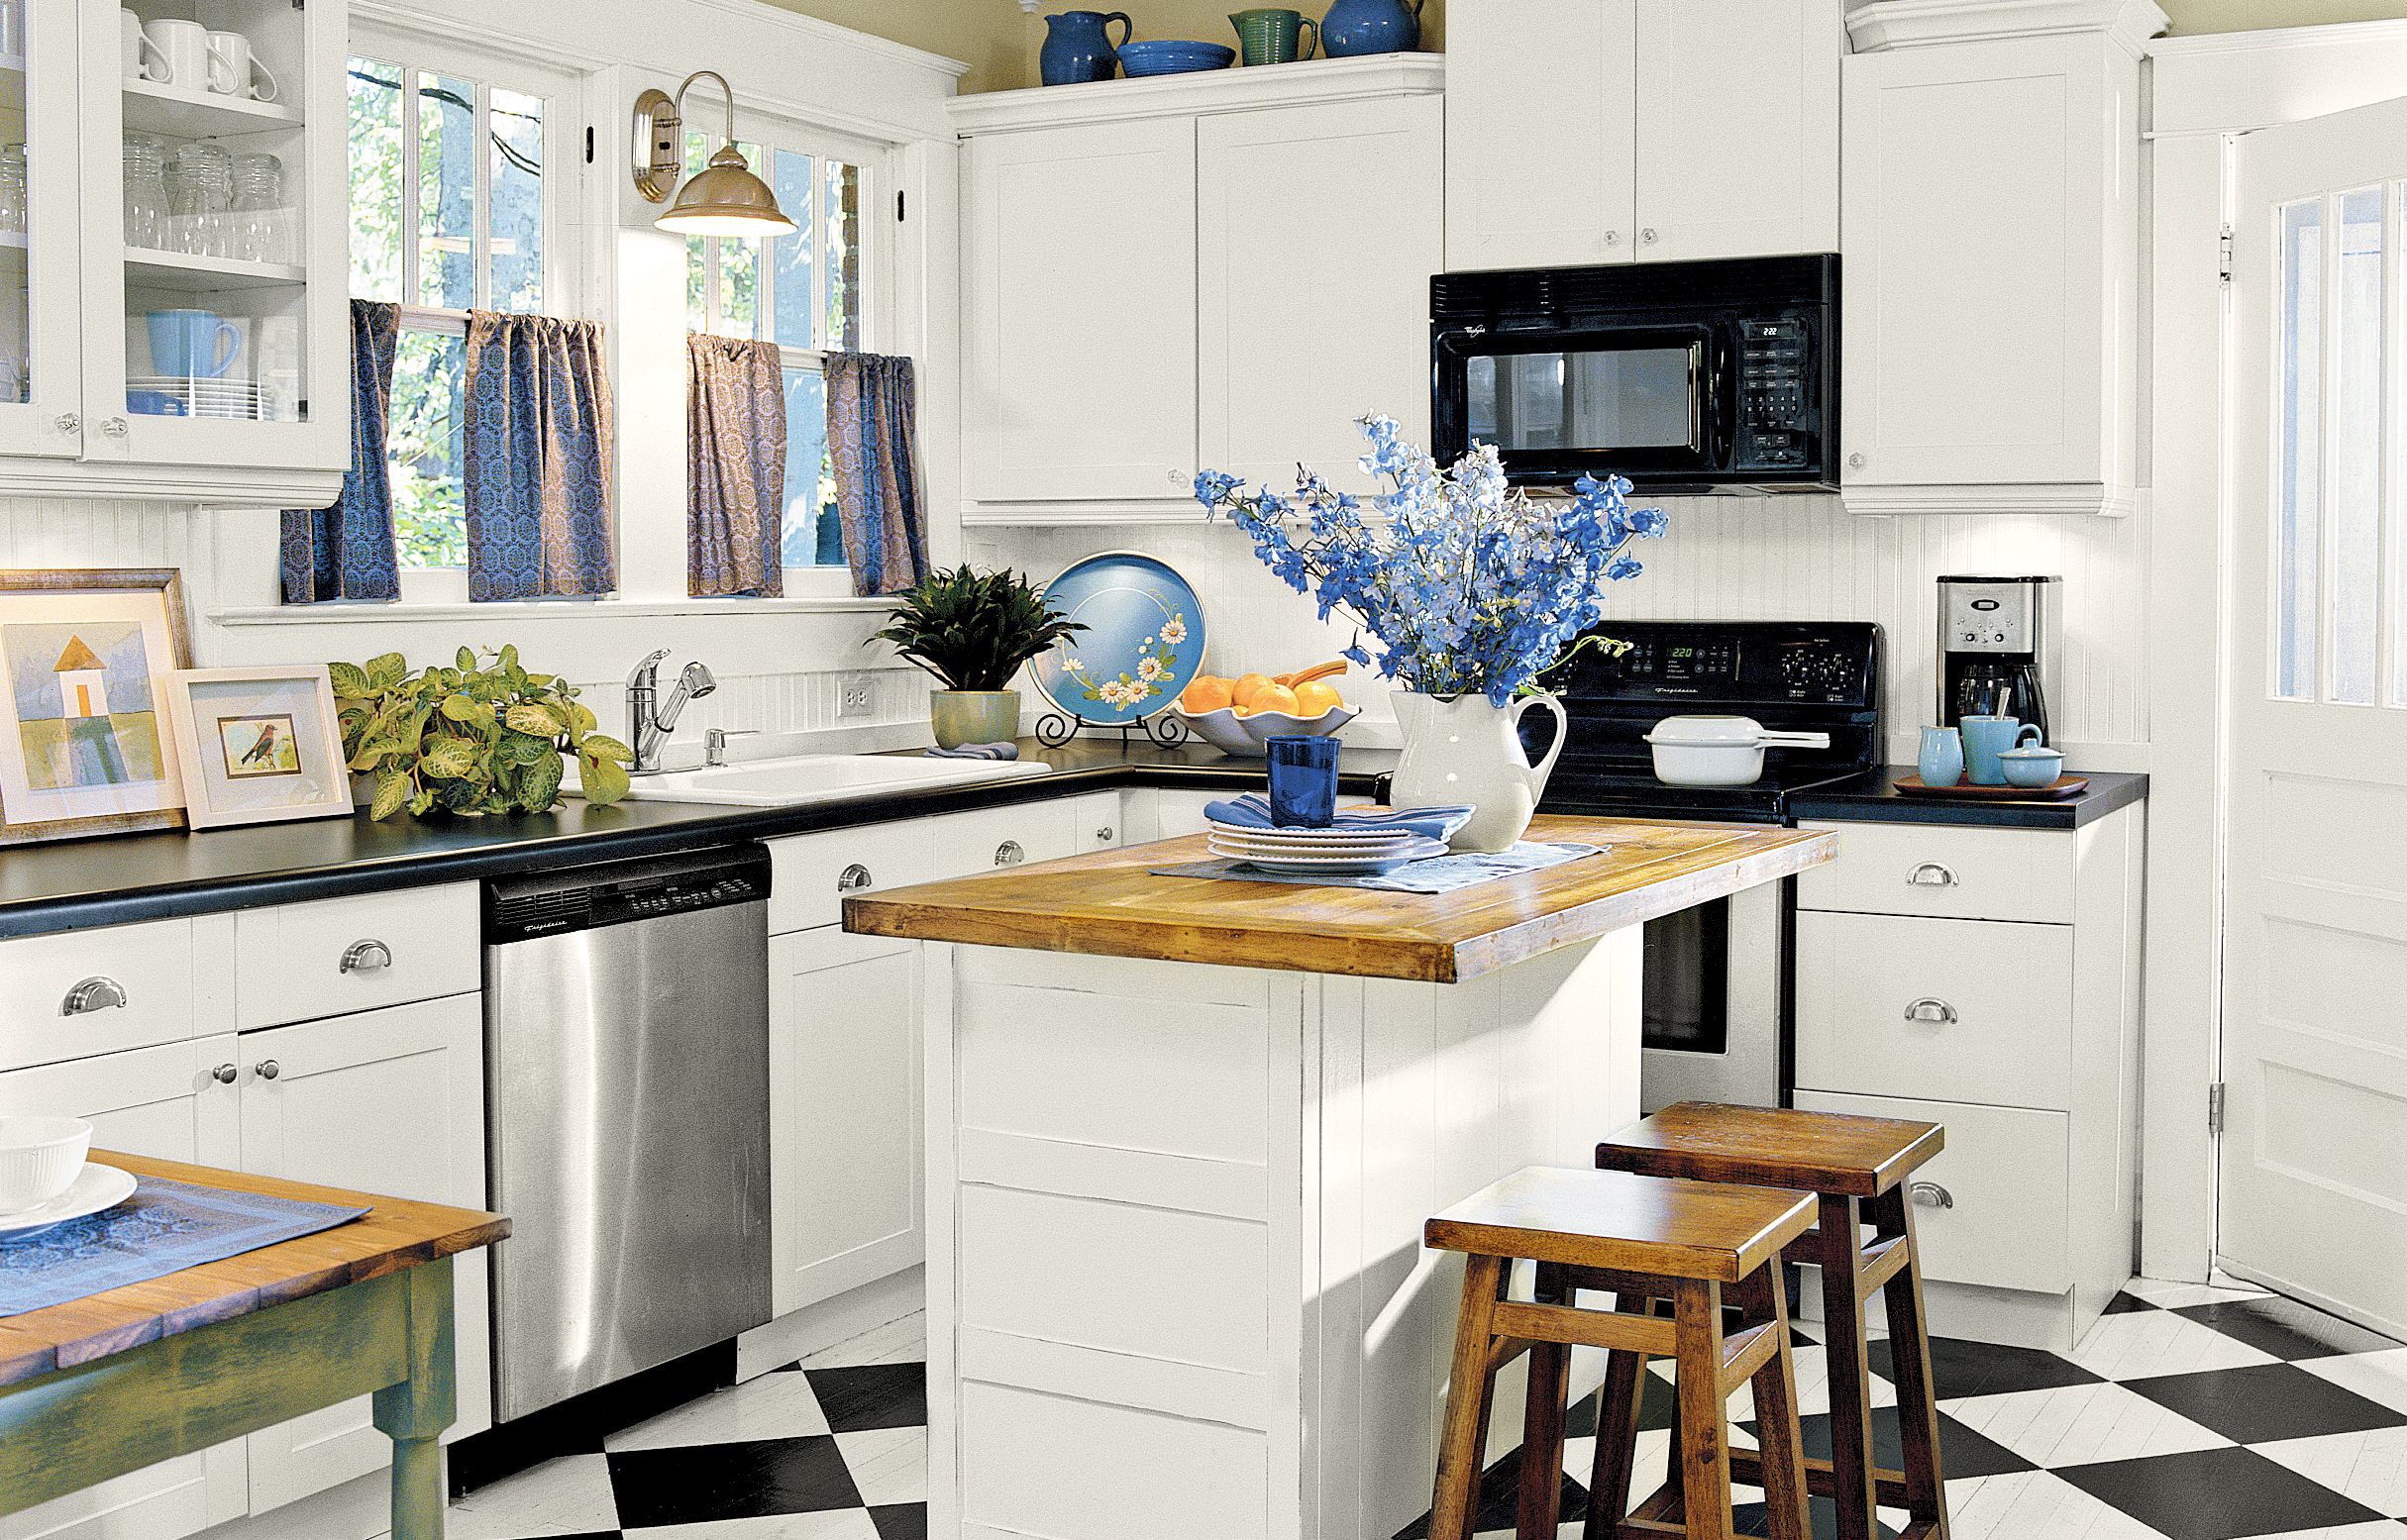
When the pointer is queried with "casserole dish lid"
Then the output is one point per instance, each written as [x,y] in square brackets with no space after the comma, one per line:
[1707,732]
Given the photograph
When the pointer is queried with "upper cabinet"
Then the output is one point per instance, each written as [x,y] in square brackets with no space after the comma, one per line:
[1991,262]
[1581,132]
[1221,269]
[172,262]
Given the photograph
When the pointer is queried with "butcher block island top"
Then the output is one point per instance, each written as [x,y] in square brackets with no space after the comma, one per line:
[1111,904]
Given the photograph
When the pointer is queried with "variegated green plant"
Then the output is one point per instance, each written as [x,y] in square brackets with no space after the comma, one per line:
[482,736]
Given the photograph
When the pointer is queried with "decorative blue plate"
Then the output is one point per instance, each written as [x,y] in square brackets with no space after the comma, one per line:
[1144,645]
[1173,56]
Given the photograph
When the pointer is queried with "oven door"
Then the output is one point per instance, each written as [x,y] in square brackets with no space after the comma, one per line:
[1714,986]
[1651,403]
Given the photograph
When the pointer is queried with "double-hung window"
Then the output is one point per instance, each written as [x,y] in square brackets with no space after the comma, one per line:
[818,290]
[460,182]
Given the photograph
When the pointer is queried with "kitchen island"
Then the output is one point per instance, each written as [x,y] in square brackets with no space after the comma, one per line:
[1182,1136]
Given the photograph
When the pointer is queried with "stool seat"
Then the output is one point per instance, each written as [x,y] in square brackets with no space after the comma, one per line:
[1817,1152]
[1610,1221]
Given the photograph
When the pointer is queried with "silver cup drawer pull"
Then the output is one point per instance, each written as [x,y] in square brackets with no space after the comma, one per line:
[854,879]
[1932,1009]
[98,993]
[1930,1194]
[1010,853]
[365,957]
[1932,873]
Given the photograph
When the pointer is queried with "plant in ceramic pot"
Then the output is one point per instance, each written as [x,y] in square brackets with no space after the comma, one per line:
[1471,590]
[973,631]
[481,736]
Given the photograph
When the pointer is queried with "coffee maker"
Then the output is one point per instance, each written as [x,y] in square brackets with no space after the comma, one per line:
[1998,640]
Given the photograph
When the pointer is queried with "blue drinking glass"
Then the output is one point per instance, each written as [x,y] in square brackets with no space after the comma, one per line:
[1302,782]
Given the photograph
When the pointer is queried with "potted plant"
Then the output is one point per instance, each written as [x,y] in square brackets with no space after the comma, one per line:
[482,736]
[1472,591]
[973,631]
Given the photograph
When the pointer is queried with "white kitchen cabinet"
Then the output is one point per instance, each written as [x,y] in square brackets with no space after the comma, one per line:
[1304,326]
[990,838]
[1991,269]
[1100,820]
[1584,132]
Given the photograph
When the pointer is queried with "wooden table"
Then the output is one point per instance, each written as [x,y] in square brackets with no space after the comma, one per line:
[100,1386]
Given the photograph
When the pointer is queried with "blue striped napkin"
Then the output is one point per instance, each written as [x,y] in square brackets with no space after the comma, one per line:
[1253,811]
[1005,750]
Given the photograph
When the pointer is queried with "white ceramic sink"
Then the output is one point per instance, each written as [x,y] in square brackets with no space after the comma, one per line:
[809,778]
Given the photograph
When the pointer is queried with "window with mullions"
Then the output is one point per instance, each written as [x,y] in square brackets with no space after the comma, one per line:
[807,293]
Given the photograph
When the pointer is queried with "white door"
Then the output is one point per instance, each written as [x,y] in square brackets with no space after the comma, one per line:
[2314,1194]
[390,1102]
[1540,132]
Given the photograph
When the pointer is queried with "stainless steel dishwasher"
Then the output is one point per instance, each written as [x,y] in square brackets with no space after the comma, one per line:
[627,1123]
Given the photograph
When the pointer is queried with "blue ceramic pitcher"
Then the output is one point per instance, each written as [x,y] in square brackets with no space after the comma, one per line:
[1356,27]
[1077,49]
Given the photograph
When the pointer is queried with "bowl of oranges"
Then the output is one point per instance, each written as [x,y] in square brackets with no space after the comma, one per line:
[1241,715]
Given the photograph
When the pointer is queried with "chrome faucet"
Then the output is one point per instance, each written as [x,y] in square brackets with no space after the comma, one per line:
[648,720]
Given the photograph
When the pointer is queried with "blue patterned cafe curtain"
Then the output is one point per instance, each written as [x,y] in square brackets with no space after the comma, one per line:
[536,452]
[873,434]
[346,552]
[735,467]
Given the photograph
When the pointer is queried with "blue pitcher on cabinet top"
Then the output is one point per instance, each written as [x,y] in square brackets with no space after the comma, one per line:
[1358,27]
[1077,49]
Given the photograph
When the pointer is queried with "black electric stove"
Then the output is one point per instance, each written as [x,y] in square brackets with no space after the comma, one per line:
[1789,676]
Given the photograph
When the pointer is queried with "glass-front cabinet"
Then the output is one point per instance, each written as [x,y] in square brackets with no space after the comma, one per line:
[171,232]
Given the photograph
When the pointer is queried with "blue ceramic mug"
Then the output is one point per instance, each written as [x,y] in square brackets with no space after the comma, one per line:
[192,343]
[1941,762]
[1302,782]
[1987,737]
[2033,767]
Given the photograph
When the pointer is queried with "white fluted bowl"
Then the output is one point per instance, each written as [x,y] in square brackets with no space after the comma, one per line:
[1230,733]
[40,1158]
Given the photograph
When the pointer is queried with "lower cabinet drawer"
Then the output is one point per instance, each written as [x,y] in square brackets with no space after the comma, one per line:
[1994,1206]
[95,991]
[1965,873]
[992,838]
[304,961]
[811,874]
[1954,1010]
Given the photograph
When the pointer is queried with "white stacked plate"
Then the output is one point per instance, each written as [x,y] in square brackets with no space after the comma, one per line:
[1334,852]
[97,1188]
[225,398]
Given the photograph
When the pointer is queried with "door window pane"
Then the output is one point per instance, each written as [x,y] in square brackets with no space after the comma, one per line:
[375,180]
[2298,451]
[2354,514]
[446,191]
[517,218]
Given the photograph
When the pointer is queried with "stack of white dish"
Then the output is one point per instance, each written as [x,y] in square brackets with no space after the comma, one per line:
[1345,849]
[233,398]
[44,1180]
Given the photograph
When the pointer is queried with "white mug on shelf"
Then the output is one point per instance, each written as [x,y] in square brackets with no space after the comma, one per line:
[233,71]
[131,44]
[183,54]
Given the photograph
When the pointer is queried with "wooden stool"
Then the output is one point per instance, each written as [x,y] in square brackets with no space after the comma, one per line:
[1856,1167]
[1639,1237]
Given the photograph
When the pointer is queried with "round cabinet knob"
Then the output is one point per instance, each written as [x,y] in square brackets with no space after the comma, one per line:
[1613,238]
[1937,1013]
[1855,463]
[365,957]
[225,1075]
[99,993]
[1173,476]
[1010,854]
[268,1070]
[69,422]
[1647,234]
[852,878]
[114,427]
[1932,873]
[1930,1194]
[1106,835]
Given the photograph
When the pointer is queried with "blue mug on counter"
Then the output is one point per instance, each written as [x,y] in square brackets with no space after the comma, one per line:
[1302,782]
[1941,762]
[1988,737]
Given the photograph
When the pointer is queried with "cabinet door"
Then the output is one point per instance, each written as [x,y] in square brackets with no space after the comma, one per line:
[1101,821]
[1321,226]
[165,1102]
[1737,126]
[40,386]
[1976,309]
[1540,132]
[846,1206]
[1079,307]
[389,1103]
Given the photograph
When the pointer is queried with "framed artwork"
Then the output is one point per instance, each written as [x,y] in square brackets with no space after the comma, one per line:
[258,745]
[84,748]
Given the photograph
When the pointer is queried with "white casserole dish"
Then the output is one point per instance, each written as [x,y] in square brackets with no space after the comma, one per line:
[1718,751]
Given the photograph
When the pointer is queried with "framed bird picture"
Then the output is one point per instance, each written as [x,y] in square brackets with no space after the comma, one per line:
[258,745]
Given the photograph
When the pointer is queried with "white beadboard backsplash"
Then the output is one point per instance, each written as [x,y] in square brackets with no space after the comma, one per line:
[1786,558]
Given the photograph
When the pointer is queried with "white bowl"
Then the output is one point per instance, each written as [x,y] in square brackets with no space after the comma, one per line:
[1230,733]
[40,1158]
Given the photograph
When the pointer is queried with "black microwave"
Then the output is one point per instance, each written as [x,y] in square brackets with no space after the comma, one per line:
[1683,377]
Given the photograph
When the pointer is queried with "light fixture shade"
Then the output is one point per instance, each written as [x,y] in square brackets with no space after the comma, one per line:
[724,198]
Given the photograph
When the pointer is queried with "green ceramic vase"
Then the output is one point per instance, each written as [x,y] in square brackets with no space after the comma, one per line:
[973,716]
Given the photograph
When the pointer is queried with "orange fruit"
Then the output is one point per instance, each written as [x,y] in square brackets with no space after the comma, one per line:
[1241,694]
[1270,697]
[1205,692]
[1312,698]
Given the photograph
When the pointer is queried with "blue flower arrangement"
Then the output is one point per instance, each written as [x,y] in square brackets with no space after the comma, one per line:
[1468,586]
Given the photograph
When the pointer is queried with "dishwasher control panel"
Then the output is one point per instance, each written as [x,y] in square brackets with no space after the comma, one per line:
[551,903]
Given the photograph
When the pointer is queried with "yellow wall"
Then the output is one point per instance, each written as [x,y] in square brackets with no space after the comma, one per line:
[2195,16]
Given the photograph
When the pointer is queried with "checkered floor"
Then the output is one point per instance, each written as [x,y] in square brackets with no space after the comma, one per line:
[2189,1413]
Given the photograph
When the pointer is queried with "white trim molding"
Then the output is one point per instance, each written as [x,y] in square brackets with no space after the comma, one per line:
[2231,83]
[2068,498]
[1909,24]
[1308,82]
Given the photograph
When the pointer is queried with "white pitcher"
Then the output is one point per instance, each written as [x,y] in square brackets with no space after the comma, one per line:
[1462,748]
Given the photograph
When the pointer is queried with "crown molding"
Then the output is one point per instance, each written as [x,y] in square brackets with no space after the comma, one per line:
[1308,82]
[1883,25]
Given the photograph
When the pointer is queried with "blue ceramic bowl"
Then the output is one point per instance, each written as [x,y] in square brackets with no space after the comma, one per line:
[1173,56]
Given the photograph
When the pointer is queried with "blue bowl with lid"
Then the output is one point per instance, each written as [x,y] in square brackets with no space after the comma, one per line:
[1173,56]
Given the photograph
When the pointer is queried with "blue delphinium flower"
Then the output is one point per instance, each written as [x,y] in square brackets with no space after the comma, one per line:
[1466,584]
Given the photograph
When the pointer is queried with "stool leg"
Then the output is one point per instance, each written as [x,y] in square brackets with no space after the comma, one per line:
[1616,1432]
[1541,1503]
[1782,1464]
[1842,1311]
[1463,1440]
[1704,1439]
[1910,1365]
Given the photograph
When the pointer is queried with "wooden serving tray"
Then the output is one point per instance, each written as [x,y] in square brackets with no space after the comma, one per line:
[2054,791]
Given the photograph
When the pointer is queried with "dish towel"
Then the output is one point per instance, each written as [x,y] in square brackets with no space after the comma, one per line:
[1005,750]
[164,1227]
[1253,811]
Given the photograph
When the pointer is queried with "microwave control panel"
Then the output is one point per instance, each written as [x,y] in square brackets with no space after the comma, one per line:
[1779,406]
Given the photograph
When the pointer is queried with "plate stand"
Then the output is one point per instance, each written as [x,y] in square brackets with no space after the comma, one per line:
[1056,728]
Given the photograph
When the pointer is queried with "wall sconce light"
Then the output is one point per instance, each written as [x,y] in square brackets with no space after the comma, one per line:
[724,198]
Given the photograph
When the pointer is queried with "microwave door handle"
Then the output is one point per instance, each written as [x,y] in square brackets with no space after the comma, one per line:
[1696,398]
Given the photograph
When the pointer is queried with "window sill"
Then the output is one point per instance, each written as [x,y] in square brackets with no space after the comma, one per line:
[403,613]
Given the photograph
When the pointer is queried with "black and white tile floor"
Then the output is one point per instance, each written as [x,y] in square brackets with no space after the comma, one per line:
[2187,1413]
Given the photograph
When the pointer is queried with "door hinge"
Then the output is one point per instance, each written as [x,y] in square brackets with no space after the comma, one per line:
[2223,253]
[2215,1108]
[898,208]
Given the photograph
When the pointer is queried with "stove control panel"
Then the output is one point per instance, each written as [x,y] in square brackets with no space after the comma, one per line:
[1733,665]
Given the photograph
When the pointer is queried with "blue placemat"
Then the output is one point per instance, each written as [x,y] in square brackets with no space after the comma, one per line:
[164,1227]
[1438,875]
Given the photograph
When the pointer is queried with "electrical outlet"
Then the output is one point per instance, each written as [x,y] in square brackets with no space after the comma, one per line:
[856,695]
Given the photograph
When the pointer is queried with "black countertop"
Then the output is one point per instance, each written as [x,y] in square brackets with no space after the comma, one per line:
[1875,799]
[77,885]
